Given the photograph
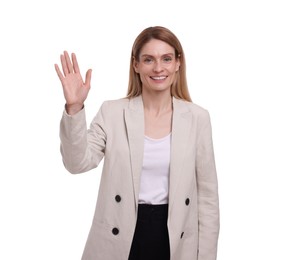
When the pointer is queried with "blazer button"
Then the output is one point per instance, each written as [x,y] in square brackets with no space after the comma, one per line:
[181,236]
[118,198]
[115,231]
[187,201]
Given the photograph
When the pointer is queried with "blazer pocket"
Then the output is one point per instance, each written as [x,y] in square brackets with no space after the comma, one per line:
[188,245]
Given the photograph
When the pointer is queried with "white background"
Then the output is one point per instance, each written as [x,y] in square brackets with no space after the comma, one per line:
[243,62]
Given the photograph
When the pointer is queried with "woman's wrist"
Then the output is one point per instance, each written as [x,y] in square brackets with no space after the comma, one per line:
[73,109]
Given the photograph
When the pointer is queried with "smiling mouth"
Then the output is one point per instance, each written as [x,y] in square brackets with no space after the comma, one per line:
[159,78]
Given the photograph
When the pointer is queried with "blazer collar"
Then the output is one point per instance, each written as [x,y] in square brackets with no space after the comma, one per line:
[181,125]
[134,120]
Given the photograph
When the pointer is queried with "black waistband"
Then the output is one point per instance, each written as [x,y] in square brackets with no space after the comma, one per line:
[152,212]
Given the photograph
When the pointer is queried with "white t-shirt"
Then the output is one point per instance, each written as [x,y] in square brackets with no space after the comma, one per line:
[154,188]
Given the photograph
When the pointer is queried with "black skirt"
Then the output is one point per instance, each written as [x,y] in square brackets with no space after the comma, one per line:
[151,238]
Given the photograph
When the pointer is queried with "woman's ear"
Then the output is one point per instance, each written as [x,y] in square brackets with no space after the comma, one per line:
[177,64]
[135,64]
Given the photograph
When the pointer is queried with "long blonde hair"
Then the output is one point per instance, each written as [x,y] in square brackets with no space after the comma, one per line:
[179,88]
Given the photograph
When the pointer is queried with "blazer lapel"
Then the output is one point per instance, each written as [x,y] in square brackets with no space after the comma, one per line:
[134,120]
[181,126]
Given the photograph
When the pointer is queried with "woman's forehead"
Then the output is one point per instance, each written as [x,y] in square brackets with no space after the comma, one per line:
[156,48]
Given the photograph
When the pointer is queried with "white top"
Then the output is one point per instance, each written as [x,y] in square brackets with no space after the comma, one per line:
[154,187]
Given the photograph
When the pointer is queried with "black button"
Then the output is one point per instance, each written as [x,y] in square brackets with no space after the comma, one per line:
[118,198]
[187,201]
[181,236]
[115,231]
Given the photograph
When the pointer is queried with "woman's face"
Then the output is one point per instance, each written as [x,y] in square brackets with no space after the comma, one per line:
[157,66]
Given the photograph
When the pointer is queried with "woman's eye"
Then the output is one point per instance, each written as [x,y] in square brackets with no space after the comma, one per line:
[148,60]
[167,59]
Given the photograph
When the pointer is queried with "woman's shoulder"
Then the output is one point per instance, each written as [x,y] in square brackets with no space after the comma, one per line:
[115,104]
[133,103]
[194,108]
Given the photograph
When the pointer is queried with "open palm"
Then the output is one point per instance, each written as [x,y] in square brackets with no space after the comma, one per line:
[74,88]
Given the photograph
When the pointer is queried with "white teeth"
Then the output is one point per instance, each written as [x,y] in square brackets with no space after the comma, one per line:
[159,78]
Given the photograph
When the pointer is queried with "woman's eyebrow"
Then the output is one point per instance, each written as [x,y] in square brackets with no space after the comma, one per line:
[149,55]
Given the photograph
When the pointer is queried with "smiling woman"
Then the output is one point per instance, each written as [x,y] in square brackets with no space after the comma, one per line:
[158,197]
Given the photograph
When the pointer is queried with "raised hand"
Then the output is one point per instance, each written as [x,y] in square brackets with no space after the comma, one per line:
[74,88]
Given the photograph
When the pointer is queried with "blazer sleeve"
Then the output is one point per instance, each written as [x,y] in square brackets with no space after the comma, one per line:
[207,185]
[82,149]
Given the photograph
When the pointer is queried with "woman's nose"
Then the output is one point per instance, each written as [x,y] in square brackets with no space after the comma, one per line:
[158,66]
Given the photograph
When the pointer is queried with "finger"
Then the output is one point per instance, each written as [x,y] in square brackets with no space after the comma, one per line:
[75,63]
[69,63]
[88,77]
[59,74]
[64,65]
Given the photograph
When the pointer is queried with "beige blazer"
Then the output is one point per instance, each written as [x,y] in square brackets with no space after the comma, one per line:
[117,133]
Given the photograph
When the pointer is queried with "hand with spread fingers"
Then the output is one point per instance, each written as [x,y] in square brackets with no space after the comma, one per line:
[74,88]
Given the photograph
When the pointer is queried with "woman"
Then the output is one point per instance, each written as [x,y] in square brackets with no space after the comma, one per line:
[158,197]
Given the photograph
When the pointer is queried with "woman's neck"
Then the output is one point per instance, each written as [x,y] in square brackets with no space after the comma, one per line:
[157,103]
